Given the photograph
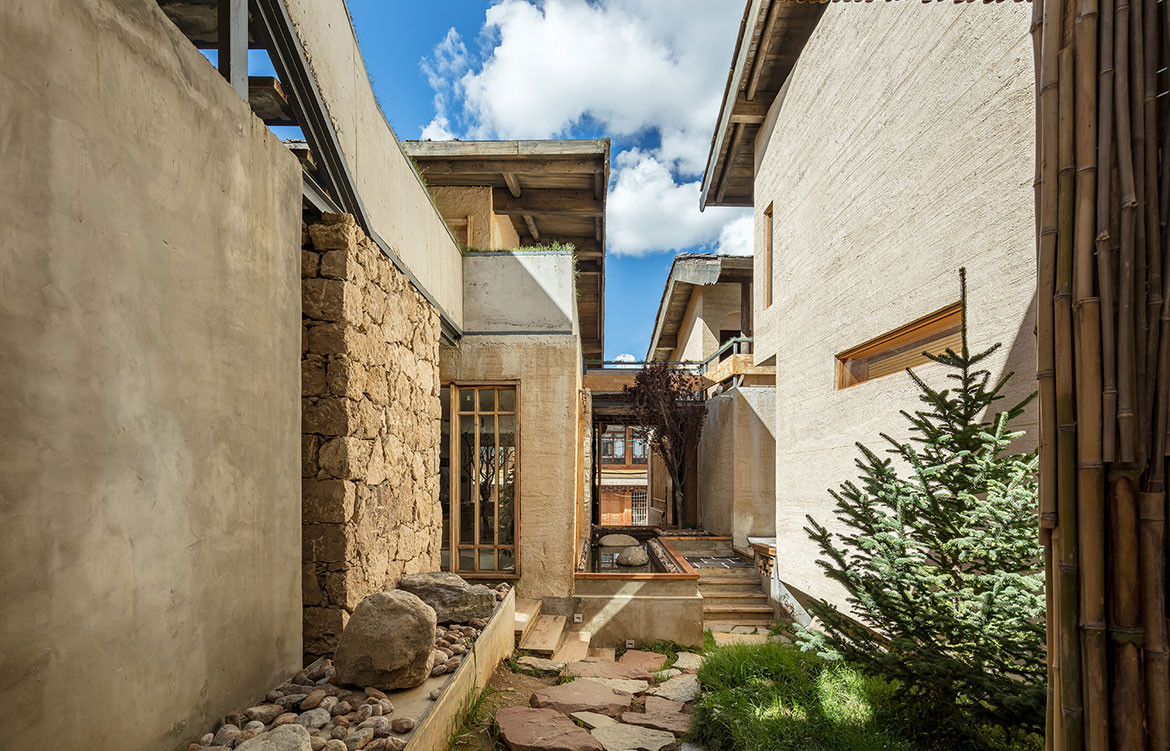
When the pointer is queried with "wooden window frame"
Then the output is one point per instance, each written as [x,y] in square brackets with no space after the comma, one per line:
[768,256]
[453,483]
[920,333]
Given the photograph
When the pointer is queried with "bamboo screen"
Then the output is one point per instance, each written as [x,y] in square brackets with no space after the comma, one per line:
[1103,364]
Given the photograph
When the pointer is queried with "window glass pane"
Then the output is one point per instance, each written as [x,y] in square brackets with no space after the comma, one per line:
[507,400]
[487,559]
[506,479]
[487,478]
[467,559]
[445,559]
[507,560]
[487,400]
[466,400]
[639,446]
[467,479]
[445,473]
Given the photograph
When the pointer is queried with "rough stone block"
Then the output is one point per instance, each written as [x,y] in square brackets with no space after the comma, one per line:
[325,543]
[333,236]
[310,262]
[309,446]
[311,593]
[327,501]
[331,300]
[331,416]
[339,264]
[345,458]
[333,339]
[313,377]
[322,627]
[346,377]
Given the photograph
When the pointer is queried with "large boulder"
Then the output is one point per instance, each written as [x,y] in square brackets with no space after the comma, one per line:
[617,541]
[635,555]
[387,643]
[454,600]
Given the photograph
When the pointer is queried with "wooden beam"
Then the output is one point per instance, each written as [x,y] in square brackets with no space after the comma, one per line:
[736,135]
[545,202]
[586,247]
[513,184]
[765,44]
[748,112]
[597,228]
[598,187]
[595,148]
[232,20]
[532,229]
[269,102]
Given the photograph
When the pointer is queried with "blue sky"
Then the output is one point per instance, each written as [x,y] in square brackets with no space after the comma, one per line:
[648,74]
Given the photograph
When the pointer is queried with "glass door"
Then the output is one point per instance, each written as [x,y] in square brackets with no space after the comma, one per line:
[478,478]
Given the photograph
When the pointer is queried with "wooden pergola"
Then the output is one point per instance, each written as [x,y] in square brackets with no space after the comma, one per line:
[553,191]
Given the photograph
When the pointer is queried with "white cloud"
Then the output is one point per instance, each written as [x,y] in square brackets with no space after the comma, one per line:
[649,211]
[646,70]
[625,357]
[737,238]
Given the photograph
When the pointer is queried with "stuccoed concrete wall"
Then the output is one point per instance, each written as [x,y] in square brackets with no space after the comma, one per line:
[547,369]
[520,292]
[149,301]
[400,209]
[699,332]
[370,449]
[737,464]
[903,148]
[459,204]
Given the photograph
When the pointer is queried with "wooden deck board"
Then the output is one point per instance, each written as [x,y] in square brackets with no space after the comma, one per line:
[545,636]
[574,646]
[526,614]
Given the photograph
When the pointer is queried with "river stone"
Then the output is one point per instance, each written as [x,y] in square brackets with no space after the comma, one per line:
[617,541]
[525,729]
[453,599]
[651,662]
[680,688]
[314,718]
[632,738]
[387,642]
[265,713]
[225,735]
[635,555]
[688,661]
[583,696]
[283,738]
[595,667]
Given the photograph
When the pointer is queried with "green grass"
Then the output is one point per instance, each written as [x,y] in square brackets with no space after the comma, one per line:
[769,697]
[473,727]
[774,697]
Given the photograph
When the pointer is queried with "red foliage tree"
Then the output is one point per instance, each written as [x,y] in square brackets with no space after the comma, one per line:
[669,401]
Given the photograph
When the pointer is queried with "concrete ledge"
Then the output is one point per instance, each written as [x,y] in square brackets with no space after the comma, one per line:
[494,644]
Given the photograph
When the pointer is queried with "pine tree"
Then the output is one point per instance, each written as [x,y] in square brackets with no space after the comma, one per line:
[940,556]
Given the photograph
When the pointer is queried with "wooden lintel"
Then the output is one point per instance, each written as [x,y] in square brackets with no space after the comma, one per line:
[761,58]
[748,112]
[545,202]
[268,100]
[513,184]
[532,228]
[597,228]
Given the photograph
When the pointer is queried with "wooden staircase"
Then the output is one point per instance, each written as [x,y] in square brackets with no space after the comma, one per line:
[545,635]
[733,597]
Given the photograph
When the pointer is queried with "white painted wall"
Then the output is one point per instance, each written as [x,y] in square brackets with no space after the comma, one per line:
[903,148]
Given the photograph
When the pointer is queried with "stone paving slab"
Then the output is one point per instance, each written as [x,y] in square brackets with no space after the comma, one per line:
[651,662]
[583,695]
[525,729]
[688,661]
[621,684]
[593,667]
[592,719]
[680,688]
[632,738]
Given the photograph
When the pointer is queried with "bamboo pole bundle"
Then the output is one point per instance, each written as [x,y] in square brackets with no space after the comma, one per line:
[1072,706]
[1046,257]
[1090,488]
[1137,90]
[1126,361]
[1154,296]
[1104,237]
[1125,630]
[1152,515]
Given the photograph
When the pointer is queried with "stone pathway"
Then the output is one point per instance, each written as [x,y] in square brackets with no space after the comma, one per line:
[628,705]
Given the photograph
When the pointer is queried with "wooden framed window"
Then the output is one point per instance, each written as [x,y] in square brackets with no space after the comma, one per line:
[768,256]
[901,348]
[479,478]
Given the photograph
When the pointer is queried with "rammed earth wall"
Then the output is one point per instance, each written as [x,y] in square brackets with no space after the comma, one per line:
[370,412]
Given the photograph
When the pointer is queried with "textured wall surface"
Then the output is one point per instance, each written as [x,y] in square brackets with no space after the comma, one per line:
[709,307]
[370,448]
[903,148]
[471,205]
[548,370]
[148,384]
[737,464]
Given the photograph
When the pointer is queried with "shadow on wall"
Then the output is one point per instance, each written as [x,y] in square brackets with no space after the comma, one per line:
[1021,362]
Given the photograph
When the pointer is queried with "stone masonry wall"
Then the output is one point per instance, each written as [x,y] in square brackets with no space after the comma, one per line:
[370,435]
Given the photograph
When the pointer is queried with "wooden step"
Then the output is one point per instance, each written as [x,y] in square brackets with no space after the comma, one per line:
[732,599]
[545,636]
[744,588]
[728,575]
[733,610]
[574,646]
[526,613]
[724,624]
